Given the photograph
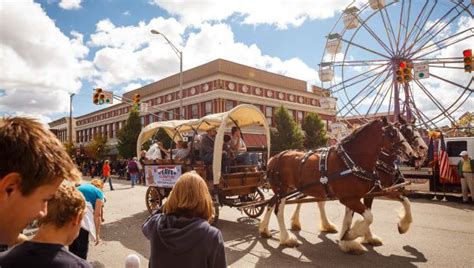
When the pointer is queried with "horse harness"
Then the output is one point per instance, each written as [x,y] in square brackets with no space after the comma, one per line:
[324,152]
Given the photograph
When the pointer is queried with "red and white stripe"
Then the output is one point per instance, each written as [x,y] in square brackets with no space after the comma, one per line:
[444,168]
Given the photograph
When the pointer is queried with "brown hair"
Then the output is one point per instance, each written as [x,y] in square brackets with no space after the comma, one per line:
[189,198]
[29,149]
[66,204]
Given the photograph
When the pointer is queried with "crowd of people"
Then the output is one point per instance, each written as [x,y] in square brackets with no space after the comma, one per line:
[39,181]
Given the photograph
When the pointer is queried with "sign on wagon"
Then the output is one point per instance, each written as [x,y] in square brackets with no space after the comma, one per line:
[162,175]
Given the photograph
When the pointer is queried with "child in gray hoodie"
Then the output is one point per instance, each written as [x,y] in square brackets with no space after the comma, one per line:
[180,235]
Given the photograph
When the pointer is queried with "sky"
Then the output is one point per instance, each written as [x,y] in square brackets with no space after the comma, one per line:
[50,49]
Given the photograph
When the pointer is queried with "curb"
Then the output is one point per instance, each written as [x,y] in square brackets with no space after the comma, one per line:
[451,197]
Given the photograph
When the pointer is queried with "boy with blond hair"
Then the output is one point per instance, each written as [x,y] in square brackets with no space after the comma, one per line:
[56,230]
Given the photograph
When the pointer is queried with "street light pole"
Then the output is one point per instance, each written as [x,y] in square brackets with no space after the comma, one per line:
[70,117]
[178,53]
[181,108]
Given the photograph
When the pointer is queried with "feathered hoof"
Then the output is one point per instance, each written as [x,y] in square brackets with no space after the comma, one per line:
[331,228]
[358,229]
[290,242]
[296,226]
[265,234]
[374,241]
[402,229]
[352,247]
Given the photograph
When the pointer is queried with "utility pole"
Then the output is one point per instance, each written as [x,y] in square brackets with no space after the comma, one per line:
[70,117]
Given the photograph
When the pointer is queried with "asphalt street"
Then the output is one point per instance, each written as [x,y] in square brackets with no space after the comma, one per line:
[442,235]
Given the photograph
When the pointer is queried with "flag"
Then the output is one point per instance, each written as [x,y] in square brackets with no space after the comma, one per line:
[431,150]
[444,168]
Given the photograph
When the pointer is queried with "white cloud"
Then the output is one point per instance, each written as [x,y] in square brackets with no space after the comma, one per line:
[40,65]
[281,13]
[70,4]
[130,87]
[131,53]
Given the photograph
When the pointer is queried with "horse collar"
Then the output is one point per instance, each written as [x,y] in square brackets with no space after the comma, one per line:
[355,169]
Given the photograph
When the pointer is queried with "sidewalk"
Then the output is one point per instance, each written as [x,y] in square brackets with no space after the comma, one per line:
[420,189]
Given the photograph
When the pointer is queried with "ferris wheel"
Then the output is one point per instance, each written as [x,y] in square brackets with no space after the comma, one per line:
[408,58]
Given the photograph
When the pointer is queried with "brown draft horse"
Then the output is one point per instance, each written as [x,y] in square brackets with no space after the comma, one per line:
[389,176]
[350,176]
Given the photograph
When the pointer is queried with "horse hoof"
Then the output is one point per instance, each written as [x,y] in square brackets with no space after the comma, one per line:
[401,230]
[291,243]
[331,229]
[352,247]
[373,241]
[296,227]
[265,234]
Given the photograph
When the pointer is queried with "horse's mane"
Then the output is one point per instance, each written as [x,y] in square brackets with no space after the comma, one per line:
[356,132]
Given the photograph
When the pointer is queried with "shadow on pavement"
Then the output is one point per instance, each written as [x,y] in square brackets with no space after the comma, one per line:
[242,240]
[128,231]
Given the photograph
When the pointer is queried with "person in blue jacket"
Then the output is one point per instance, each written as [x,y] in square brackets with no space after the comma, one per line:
[180,234]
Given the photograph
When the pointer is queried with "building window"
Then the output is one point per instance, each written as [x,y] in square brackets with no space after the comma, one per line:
[229,104]
[160,117]
[208,107]
[142,120]
[269,114]
[111,130]
[300,117]
[151,118]
[194,111]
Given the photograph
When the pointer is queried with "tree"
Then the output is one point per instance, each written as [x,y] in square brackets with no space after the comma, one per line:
[70,148]
[287,134]
[97,148]
[315,132]
[128,135]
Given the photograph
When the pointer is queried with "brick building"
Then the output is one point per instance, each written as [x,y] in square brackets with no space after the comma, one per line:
[61,126]
[214,87]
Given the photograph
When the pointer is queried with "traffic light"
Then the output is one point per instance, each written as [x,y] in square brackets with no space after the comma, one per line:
[101,98]
[96,97]
[467,60]
[407,74]
[400,73]
[136,101]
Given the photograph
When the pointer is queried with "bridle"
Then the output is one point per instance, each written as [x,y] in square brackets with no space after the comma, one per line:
[396,147]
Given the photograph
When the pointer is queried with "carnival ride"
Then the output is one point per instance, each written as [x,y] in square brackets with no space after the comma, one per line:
[408,58]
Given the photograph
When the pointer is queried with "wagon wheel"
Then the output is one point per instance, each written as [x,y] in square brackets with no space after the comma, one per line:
[153,198]
[255,211]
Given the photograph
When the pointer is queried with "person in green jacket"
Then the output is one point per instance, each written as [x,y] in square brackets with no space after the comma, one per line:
[465,171]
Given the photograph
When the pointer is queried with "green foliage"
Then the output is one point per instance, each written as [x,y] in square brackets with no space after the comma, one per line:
[287,134]
[128,135]
[70,148]
[97,148]
[315,132]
